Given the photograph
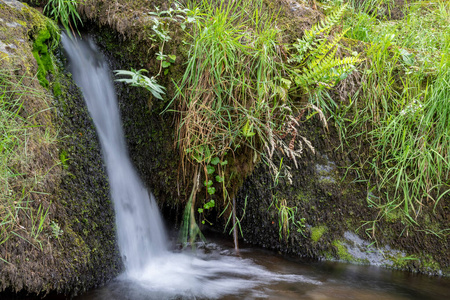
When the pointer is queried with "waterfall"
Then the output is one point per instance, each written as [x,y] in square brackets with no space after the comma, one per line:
[140,231]
[151,271]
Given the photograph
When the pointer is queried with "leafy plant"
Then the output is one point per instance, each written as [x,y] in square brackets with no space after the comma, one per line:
[65,11]
[166,61]
[140,80]
[207,206]
[183,16]
[56,230]
[316,59]
[286,218]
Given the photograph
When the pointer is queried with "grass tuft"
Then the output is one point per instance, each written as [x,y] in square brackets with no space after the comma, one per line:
[20,216]
[401,107]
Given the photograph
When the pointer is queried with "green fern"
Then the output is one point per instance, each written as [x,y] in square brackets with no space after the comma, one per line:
[316,55]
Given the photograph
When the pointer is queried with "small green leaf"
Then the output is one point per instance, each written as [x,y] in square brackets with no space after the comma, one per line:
[165,64]
[208,183]
[172,58]
[223,163]
[219,178]
[209,204]
[211,190]
[200,210]
[247,130]
[215,160]
[210,169]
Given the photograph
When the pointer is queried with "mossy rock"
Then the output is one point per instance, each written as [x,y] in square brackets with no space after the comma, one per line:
[63,152]
[332,208]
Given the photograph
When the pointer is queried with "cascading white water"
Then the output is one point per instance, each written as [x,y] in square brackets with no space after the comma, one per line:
[152,272]
[140,231]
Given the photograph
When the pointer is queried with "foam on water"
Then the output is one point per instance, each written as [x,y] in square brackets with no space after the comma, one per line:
[208,277]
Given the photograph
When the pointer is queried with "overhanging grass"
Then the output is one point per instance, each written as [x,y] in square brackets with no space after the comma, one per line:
[233,86]
[401,108]
[414,148]
[235,93]
[232,94]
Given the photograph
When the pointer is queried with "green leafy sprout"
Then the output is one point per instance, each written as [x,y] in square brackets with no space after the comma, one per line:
[140,80]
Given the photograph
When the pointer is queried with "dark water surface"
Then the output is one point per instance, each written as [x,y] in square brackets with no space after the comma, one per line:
[311,280]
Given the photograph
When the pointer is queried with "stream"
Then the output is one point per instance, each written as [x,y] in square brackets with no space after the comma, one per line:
[321,280]
[155,269]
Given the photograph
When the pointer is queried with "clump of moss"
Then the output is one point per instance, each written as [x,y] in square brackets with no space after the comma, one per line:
[42,54]
[401,262]
[317,232]
[63,158]
[430,264]
[342,251]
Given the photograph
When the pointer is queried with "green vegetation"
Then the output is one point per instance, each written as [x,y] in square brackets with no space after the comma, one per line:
[140,80]
[400,107]
[317,232]
[342,251]
[231,88]
[318,65]
[243,94]
[56,230]
[43,55]
[19,215]
[286,218]
[235,94]
[64,159]
[64,11]
[401,261]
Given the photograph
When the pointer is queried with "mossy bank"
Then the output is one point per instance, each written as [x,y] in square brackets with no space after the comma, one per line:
[60,235]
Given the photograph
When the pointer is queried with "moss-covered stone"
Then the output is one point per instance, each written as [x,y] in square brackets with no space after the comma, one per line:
[342,251]
[317,232]
[64,154]
[341,206]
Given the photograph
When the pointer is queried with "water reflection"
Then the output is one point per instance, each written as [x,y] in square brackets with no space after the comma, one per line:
[260,274]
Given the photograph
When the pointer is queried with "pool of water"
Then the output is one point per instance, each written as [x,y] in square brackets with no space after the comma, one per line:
[215,271]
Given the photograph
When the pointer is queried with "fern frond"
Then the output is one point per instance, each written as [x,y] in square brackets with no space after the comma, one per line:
[316,55]
[328,22]
[310,76]
[327,47]
[310,42]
